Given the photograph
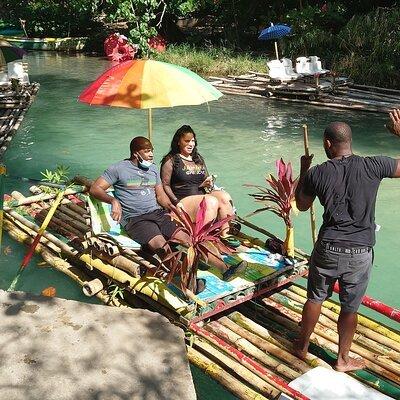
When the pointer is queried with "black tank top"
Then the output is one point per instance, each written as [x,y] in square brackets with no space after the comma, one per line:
[186,178]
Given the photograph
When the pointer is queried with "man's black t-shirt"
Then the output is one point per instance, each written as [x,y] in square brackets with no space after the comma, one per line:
[347,189]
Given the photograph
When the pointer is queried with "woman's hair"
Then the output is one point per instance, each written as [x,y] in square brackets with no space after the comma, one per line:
[196,157]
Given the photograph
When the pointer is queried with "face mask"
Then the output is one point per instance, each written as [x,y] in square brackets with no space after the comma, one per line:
[143,163]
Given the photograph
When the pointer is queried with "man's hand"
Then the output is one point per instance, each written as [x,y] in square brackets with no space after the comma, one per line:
[393,125]
[207,183]
[305,162]
[116,210]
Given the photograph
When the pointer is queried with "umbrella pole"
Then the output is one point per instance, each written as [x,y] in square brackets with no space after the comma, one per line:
[149,124]
[276,50]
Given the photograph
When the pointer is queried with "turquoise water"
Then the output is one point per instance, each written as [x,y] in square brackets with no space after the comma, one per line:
[239,137]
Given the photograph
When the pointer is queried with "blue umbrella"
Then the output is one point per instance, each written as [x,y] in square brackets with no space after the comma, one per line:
[274,32]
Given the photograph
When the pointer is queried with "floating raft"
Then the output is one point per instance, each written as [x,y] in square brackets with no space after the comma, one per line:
[73,44]
[323,91]
[240,335]
[74,231]
[15,101]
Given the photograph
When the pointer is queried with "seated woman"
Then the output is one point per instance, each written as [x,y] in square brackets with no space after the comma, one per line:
[185,179]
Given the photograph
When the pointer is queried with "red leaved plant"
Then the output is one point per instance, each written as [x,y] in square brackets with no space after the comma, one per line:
[280,197]
[202,240]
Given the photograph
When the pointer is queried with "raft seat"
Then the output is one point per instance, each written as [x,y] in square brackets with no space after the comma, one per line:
[277,71]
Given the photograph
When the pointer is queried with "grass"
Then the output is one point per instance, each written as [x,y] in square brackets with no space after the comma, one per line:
[212,61]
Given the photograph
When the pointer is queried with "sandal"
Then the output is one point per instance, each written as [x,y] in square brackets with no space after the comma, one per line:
[234,227]
[234,269]
[200,285]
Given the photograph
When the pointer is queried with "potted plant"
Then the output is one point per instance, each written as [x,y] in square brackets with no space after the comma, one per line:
[203,240]
[279,199]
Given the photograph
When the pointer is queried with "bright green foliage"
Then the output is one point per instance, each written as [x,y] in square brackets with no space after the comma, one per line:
[59,177]
[50,17]
[370,48]
[217,61]
[144,17]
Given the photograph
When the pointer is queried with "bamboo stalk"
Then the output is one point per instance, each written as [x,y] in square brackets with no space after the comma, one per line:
[328,323]
[70,221]
[243,344]
[245,360]
[263,333]
[72,214]
[376,305]
[326,348]
[361,319]
[60,226]
[380,365]
[149,286]
[360,328]
[244,373]
[42,197]
[224,378]
[291,360]
[56,262]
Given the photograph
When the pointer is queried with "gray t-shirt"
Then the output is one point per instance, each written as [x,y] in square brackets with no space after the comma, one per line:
[134,188]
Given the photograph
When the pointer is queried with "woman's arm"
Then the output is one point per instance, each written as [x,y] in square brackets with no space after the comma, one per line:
[166,173]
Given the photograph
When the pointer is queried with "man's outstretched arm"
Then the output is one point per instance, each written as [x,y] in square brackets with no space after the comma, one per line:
[394,127]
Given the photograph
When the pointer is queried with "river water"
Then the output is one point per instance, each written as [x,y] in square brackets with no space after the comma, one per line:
[239,137]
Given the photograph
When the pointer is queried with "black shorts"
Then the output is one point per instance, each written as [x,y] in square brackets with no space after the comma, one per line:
[145,227]
[350,269]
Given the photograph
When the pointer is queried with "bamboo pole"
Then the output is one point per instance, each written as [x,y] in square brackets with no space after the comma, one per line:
[56,262]
[382,365]
[246,346]
[245,360]
[283,343]
[328,323]
[41,197]
[60,226]
[312,210]
[326,348]
[149,286]
[250,377]
[376,305]
[224,378]
[72,214]
[361,328]
[278,352]
[361,319]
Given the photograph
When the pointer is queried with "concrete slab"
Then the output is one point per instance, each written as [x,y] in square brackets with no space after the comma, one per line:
[52,348]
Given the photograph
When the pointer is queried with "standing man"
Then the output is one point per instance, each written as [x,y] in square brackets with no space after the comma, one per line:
[346,185]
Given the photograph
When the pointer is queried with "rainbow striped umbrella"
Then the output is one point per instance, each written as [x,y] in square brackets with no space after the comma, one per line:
[149,84]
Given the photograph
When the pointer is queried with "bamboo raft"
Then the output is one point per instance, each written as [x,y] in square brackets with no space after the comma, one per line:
[325,91]
[243,341]
[15,100]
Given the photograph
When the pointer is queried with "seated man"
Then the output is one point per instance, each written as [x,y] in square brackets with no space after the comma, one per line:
[140,203]
[139,197]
